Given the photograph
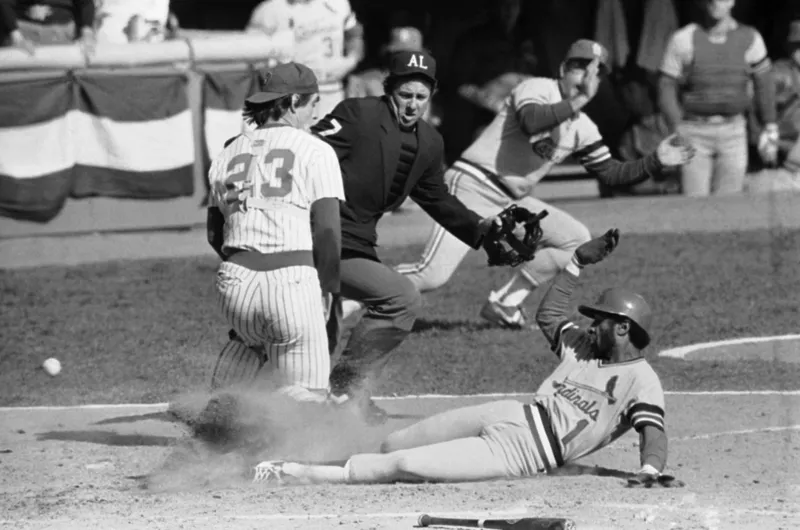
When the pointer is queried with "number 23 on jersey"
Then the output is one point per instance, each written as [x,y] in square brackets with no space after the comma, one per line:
[251,187]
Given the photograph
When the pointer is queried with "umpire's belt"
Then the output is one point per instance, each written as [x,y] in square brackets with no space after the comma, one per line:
[542,429]
[479,172]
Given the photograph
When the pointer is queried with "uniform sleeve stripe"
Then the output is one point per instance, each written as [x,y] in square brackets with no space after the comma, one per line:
[597,154]
[762,66]
[638,416]
[639,425]
[521,103]
[646,407]
[590,149]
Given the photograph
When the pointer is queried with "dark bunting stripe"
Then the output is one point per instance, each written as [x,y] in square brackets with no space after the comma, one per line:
[92,181]
[133,99]
[38,199]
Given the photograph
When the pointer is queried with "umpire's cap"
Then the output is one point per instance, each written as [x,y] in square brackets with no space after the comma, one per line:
[407,63]
[622,302]
[588,50]
[282,80]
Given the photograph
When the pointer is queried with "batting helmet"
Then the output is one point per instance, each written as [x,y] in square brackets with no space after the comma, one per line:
[622,302]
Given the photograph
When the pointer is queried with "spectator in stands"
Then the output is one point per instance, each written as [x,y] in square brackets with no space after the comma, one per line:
[500,45]
[786,73]
[710,64]
[27,23]
[327,37]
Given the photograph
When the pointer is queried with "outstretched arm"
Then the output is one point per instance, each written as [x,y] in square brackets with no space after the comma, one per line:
[552,315]
[553,311]
[432,195]
[652,449]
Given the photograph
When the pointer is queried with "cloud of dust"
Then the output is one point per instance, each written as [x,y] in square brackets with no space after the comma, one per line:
[250,425]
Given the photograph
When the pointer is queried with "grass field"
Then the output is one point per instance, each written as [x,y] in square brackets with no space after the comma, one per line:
[146,331]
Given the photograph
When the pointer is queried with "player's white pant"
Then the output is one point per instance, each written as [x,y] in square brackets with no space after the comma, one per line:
[282,312]
[443,253]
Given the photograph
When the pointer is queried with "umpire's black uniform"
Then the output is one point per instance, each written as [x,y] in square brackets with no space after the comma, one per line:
[383,164]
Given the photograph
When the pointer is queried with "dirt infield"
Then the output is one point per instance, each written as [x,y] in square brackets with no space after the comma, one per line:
[74,468]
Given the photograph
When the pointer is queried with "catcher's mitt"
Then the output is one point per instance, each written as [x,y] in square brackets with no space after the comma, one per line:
[645,480]
[502,244]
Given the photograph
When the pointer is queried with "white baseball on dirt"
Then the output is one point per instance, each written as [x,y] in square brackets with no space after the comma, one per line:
[52,366]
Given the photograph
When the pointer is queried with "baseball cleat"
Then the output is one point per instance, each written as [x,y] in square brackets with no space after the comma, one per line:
[373,414]
[269,471]
[503,316]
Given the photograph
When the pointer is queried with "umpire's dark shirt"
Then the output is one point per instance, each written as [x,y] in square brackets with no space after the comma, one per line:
[366,137]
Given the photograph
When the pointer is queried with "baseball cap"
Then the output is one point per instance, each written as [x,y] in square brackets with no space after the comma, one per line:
[407,62]
[282,80]
[589,50]
[404,38]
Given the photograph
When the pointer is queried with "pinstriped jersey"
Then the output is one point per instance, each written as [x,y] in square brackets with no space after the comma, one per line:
[264,183]
[592,403]
[507,151]
[318,26]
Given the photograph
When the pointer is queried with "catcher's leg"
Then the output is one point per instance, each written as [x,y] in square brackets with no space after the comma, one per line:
[238,299]
[237,364]
[561,235]
[443,251]
[296,341]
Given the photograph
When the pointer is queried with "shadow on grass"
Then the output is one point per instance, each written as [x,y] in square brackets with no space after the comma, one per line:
[425,324]
[108,438]
[155,416]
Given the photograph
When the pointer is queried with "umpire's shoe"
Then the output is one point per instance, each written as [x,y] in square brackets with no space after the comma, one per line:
[367,409]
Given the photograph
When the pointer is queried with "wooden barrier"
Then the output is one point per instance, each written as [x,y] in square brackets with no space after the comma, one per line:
[191,54]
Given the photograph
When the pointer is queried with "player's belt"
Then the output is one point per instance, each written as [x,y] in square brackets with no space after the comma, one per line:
[469,167]
[265,262]
[543,435]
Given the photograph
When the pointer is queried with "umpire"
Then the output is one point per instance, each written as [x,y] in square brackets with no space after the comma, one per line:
[387,154]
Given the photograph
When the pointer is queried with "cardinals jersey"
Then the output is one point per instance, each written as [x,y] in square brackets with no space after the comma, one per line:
[590,402]
[318,26]
[264,183]
[504,149]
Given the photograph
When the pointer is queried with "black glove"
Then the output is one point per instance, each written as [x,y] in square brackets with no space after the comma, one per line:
[595,250]
[648,480]
[516,239]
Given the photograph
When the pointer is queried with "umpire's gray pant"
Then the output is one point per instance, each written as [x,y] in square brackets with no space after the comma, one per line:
[392,305]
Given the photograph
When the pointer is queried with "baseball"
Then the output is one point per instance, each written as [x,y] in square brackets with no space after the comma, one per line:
[52,366]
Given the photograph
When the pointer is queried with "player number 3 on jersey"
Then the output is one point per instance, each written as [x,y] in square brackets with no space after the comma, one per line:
[274,172]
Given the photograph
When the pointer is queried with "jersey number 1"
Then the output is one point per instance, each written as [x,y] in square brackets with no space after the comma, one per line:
[571,435]
[281,161]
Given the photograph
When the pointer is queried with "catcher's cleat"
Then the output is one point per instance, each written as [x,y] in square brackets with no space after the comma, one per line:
[503,316]
[270,471]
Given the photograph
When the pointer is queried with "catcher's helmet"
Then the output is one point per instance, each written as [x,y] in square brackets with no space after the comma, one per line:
[622,302]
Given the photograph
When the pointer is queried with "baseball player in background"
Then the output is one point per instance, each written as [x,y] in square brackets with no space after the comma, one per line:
[327,37]
[273,218]
[538,126]
[602,388]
